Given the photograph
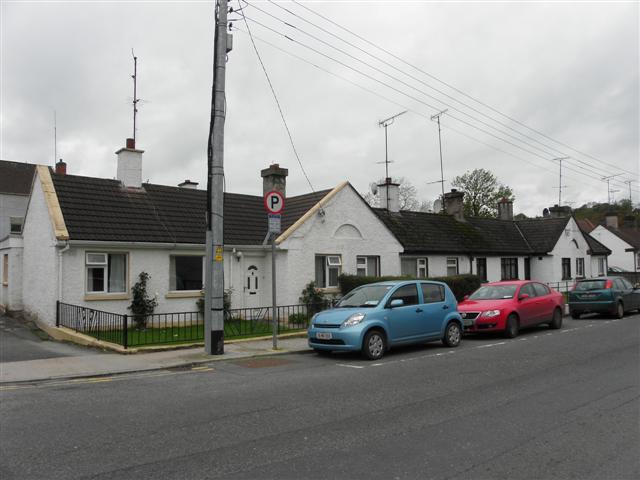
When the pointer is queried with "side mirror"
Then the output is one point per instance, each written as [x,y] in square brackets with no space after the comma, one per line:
[466,297]
[636,286]
[396,302]
[523,296]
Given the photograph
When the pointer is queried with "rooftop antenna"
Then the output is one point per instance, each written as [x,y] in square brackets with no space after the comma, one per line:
[385,123]
[608,179]
[560,186]
[629,182]
[55,138]
[135,93]
[437,116]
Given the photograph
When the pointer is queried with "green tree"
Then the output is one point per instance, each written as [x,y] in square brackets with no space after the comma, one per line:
[482,192]
[141,304]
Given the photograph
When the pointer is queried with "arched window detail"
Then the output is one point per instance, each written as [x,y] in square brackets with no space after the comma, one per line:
[347,231]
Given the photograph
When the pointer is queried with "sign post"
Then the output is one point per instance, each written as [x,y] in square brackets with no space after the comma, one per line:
[274,204]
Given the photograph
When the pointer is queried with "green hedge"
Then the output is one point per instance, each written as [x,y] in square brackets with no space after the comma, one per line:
[460,285]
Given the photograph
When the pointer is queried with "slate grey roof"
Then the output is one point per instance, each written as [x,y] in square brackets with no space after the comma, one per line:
[629,235]
[542,233]
[102,210]
[16,178]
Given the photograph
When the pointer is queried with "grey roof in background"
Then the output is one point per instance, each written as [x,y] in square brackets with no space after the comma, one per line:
[16,178]
[629,235]
[102,210]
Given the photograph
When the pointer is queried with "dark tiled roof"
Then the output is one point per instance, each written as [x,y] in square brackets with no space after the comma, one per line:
[629,235]
[542,233]
[595,247]
[420,232]
[16,177]
[585,225]
[101,209]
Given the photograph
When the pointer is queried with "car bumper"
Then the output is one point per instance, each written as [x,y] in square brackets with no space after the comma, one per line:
[483,325]
[593,307]
[343,339]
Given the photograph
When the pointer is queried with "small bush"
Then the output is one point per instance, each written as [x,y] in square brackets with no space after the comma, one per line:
[141,305]
[313,298]
[298,318]
[460,285]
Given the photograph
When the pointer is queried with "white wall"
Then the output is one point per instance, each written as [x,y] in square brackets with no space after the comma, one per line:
[618,257]
[11,206]
[11,294]
[39,265]
[317,235]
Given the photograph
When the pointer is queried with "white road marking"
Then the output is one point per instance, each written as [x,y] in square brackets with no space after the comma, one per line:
[491,345]
[349,366]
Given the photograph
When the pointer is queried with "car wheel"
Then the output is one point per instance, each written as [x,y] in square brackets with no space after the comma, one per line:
[513,326]
[575,315]
[619,310]
[452,335]
[556,322]
[374,345]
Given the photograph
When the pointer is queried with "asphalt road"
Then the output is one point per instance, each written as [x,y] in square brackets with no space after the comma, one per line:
[20,343]
[549,404]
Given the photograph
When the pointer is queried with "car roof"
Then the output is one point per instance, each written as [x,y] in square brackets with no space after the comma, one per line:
[592,279]
[393,283]
[508,282]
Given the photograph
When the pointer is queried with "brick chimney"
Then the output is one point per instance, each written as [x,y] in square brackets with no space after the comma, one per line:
[188,184]
[559,212]
[61,167]
[453,204]
[274,178]
[389,195]
[611,220]
[130,165]
[505,209]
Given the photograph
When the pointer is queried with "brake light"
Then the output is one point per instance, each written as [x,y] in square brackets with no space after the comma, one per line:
[608,285]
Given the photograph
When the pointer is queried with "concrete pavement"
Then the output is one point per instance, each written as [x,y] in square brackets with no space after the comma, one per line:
[89,364]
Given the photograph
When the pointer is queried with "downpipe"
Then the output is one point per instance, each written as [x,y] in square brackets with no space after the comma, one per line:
[60,253]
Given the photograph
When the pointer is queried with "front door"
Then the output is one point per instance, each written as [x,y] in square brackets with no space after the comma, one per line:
[252,287]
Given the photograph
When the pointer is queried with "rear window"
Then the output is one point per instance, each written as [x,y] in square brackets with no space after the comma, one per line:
[590,285]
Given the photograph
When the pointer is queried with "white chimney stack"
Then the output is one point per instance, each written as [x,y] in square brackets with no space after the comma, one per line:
[389,195]
[130,165]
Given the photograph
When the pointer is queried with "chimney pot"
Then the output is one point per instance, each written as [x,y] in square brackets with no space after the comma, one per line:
[131,143]
[505,209]
[61,167]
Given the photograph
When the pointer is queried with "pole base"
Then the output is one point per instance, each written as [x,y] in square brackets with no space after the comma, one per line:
[217,342]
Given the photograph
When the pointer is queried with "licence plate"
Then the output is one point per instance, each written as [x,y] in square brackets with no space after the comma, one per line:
[589,295]
[468,323]
[323,336]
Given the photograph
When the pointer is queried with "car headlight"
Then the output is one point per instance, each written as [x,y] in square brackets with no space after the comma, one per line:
[353,320]
[491,313]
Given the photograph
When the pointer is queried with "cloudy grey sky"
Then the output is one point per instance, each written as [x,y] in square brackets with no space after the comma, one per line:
[568,70]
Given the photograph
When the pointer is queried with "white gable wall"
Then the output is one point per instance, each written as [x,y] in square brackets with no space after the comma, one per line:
[618,257]
[348,228]
[39,263]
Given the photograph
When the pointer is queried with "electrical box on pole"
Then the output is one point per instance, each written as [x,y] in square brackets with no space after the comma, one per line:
[214,273]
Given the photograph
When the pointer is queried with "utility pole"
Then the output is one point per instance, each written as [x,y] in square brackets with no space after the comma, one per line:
[437,116]
[608,179]
[559,160]
[135,92]
[629,182]
[214,273]
[385,123]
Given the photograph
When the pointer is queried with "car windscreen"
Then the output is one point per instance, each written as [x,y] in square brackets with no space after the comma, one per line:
[365,296]
[494,292]
[590,285]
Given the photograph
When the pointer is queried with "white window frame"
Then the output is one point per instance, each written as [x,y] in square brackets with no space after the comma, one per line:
[601,266]
[331,261]
[579,267]
[422,263]
[103,264]
[451,262]
[362,263]
[638,261]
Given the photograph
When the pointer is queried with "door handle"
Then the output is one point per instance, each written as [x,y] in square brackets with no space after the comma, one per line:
[418,310]
[445,307]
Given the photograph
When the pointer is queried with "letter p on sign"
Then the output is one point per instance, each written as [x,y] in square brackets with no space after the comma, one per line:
[274,202]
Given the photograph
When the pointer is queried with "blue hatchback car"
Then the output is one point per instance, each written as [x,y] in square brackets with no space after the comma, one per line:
[375,317]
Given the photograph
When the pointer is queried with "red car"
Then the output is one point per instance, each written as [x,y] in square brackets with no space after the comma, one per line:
[508,306]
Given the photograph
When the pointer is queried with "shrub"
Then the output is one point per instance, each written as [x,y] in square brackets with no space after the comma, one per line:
[298,318]
[226,301]
[460,285]
[141,305]
[313,298]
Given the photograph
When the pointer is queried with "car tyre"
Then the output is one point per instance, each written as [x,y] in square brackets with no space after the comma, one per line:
[513,326]
[556,322]
[452,335]
[575,315]
[619,310]
[374,345]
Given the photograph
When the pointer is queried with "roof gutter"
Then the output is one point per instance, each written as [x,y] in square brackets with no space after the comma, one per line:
[150,245]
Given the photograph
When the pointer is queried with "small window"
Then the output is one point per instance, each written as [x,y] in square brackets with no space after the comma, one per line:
[186,272]
[368,266]
[541,289]
[481,268]
[452,266]
[106,272]
[601,264]
[432,293]
[407,293]
[423,267]
[16,224]
[566,269]
[5,269]
[579,267]
[637,261]
[509,268]
[328,269]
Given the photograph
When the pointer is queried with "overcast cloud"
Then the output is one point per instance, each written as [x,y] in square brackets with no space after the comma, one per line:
[570,70]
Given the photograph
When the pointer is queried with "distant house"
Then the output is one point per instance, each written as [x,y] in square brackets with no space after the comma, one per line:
[15,187]
[624,243]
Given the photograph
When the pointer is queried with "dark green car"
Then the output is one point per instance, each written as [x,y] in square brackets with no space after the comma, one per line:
[610,295]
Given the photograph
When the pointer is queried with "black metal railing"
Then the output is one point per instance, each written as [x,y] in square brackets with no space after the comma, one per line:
[182,327]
